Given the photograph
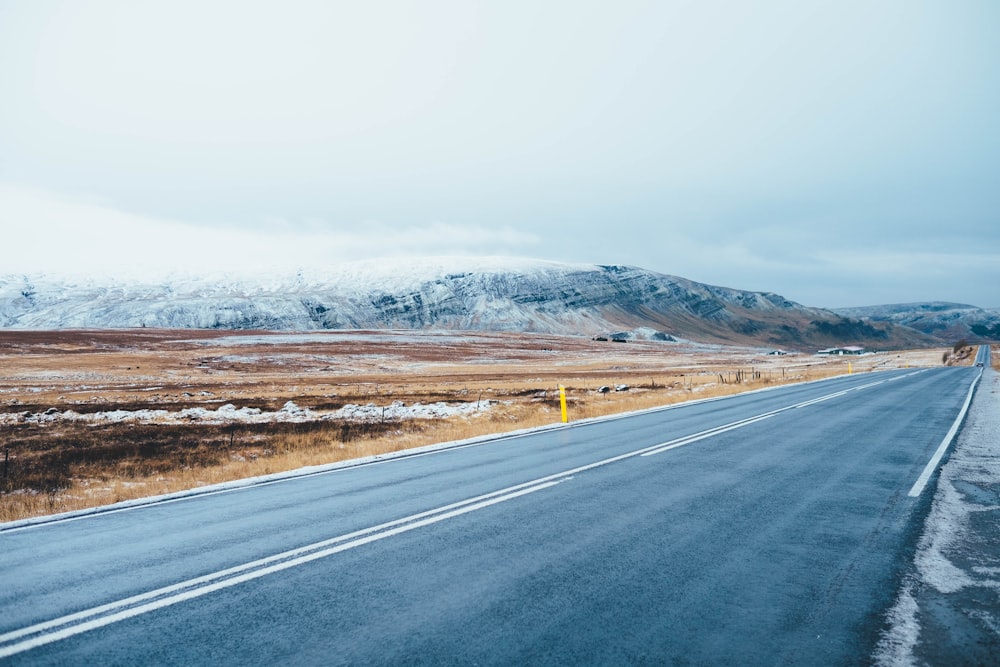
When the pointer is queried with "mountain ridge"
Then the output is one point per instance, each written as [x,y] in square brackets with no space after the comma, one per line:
[947,321]
[506,294]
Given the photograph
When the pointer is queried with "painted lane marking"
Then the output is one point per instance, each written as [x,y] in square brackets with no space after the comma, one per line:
[687,440]
[925,476]
[91,619]
[732,426]
[432,450]
[48,632]
[254,564]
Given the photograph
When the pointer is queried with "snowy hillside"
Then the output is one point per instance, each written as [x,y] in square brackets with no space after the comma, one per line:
[948,321]
[445,293]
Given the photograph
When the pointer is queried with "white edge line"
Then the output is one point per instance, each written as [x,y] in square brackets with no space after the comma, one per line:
[925,476]
[323,469]
[542,482]
[364,536]
[306,552]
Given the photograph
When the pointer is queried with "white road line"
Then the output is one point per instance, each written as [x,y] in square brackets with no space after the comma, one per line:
[925,476]
[839,394]
[686,440]
[292,553]
[196,493]
[285,477]
[67,626]
[70,625]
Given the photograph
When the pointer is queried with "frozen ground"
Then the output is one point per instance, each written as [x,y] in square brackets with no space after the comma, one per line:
[230,414]
[948,609]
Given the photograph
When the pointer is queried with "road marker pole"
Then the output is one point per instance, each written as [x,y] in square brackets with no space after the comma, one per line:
[562,403]
[850,368]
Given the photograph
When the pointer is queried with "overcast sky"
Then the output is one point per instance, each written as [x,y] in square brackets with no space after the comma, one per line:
[839,153]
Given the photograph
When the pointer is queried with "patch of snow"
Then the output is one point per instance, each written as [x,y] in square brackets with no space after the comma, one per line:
[397,410]
[229,413]
[895,649]
[241,359]
[397,336]
[452,293]
[944,543]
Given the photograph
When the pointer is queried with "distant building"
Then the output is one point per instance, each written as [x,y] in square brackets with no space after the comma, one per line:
[840,351]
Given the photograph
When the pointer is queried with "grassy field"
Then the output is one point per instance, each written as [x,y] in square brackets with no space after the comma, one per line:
[90,418]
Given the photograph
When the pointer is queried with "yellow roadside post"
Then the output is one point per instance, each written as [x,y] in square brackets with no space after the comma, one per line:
[850,368]
[562,403]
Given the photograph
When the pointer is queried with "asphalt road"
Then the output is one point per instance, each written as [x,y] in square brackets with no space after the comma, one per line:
[983,357]
[768,528]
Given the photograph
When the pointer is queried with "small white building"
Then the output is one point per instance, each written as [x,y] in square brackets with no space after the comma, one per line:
[840,351]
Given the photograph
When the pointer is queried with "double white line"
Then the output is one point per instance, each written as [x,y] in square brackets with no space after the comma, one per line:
[687,440]
[40,634]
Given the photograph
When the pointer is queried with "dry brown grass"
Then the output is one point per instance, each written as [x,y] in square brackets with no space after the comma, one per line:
[66,465]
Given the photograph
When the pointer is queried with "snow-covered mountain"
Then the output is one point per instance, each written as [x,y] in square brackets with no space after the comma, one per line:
[446,293]
[949,322]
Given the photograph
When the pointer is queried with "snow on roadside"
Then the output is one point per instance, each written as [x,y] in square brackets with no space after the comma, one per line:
[949,542]
[230,414]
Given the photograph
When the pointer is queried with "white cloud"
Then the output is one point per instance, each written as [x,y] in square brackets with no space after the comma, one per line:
[380,239]
[52,233]
[746,147]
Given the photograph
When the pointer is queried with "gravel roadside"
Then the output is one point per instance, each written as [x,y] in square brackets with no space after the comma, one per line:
[947,611]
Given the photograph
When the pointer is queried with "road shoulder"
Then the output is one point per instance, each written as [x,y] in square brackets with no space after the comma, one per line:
[948,608]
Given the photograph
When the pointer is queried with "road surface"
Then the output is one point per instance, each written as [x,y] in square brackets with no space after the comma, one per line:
[766,528]
[983,358]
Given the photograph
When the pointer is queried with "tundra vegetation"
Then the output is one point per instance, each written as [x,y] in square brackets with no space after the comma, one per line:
[89,418]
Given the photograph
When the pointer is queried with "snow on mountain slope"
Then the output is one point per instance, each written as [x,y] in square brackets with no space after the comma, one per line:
[440,293]
[949,322]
